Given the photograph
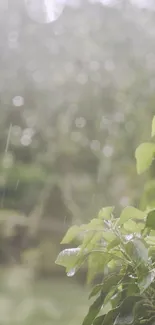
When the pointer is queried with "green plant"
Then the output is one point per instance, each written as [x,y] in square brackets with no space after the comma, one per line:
[123,250]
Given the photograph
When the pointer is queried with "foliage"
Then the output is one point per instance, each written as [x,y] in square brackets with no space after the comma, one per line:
[123,249]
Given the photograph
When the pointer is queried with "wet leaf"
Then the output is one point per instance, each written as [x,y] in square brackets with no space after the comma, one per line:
[131,213]
[146,281]
[109,236]
[150,220]
[95,224]
[126,314]
[67,256]
[133,227]
[111,316]
[108,283]
[144,156]
[137,250]
[96,290]
[114,243]
[94,310]
[96,264]
[150,240]
[99,320]
[91,241]
[105,213]
[71,235]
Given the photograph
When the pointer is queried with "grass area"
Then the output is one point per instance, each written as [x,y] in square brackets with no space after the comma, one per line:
[48,302]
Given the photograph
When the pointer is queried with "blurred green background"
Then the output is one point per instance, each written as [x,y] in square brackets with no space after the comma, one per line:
[77,95]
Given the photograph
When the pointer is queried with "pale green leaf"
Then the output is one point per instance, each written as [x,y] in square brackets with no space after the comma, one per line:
[150,240]
[68,258]
[137,250]
[144,155]
[91,241]
[146,281]
[96,264]
[105,213]
[153,127]
[109,236]
[150,221]
[71,235]
[131,213]
[94,310]
[133,227]
[95,224]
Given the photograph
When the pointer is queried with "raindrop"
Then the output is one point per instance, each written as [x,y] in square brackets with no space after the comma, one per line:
[71,272]
[119,117]
[95,145]
[94,65]
[16,130]
[18,101]
[8,160]
[129,237]
[29,132]
[109,65]
[80,122]
[108,151]
[105,123]
[82,78]
[44,11]
[26,140]
[13,36]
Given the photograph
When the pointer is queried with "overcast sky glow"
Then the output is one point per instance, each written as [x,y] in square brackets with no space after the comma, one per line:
[46,11]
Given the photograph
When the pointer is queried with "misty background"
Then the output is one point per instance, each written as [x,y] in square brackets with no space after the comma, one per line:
[77,95]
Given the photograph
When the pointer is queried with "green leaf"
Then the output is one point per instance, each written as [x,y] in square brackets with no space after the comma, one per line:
[109,236]
[150,240]
[95,224]
[96,290]
[91,241]
[71,259]
[99,320]
[150,220]
[96,264]
[111,316]
[71,235]
[146,281]
[131,213]
[109,282]
[106,307]
[105,213]
[67,257]
[153,127]
[137,250]
[144,155]
[114,243]
[132,289]
[133,227]
[126,314]
[94,310]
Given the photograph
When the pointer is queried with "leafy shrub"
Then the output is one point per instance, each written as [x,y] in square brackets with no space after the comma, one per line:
[123,249]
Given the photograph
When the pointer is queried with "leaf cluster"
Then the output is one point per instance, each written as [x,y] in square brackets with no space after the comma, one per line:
[123,250]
